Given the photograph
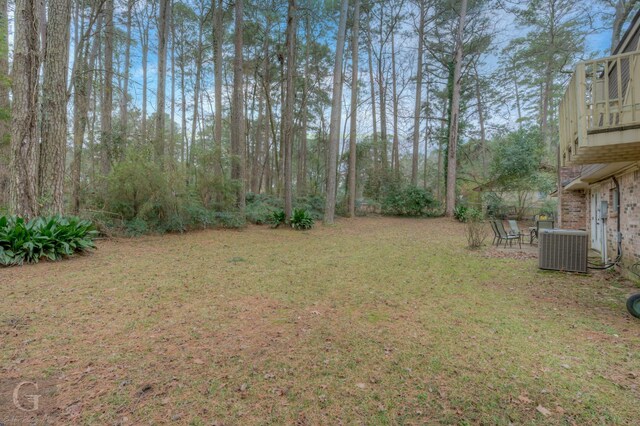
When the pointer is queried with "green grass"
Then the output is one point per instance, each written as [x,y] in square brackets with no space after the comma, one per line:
[376,321]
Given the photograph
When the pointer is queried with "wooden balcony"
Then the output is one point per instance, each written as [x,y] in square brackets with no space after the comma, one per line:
[600,112]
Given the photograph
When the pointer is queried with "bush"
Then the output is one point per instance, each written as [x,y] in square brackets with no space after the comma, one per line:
[301,219]
[45,237]
[476,232]
[312,204]
[407,201]
[466,214]
[277,218]
[261,207]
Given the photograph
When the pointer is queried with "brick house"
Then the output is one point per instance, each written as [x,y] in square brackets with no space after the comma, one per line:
[599,156]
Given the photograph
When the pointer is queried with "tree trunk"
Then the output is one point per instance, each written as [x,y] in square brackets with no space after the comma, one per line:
[5,105]
[53,146]
[355,30]
[418,107]
[336,109]
[124,97]
[172,125]
[383,107]
[162,78]
[237,120]
[218,32]
[301,181]
[24,124]
[455,111]
[106,134]
[288,112]
[395,150]
[483,133]
[372,85]
[196,86]
[82,82]
[145,65]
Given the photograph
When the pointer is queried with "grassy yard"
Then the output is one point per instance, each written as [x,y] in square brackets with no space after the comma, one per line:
[375,321]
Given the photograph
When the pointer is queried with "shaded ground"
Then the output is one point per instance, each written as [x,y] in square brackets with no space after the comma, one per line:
[376,321]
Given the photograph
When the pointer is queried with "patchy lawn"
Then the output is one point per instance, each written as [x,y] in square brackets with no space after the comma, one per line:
[376,321]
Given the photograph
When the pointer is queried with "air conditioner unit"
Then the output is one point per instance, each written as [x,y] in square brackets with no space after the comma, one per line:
[563,250]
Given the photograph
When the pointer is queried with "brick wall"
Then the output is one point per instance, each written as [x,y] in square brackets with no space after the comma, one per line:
[629,216]
[572,204]
[574,210]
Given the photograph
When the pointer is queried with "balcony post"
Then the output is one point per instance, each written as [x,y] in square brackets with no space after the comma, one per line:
[581,104]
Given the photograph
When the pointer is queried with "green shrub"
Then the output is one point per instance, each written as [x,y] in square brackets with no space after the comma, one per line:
[277,218]
[301,219]
[231,220]
[312,204]
[260,208]
[465,214]
[407,201]
[44,237]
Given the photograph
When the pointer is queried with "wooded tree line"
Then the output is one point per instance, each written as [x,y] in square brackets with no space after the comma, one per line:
[213,99]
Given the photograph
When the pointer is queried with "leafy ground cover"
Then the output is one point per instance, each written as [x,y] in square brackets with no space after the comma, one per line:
[374,320]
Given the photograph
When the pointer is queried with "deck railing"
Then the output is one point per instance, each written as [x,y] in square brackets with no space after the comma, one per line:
[602,96]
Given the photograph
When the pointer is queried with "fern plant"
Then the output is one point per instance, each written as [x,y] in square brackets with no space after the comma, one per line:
[277,218]
[44,237]
[301,219]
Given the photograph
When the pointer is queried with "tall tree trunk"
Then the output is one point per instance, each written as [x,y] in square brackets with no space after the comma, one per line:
[395,150]
[106,134]
[53,146]
[301,181]
[455,112]
[5,105]
[162,78]
[237,120]
[183,110]
[82,82]
[336,109]
[196,85]
[383,102]
[288,112]
[218,32]
[145,66]
[372,85]
[24,124]
[483,133]
[124,97]
[172,125]
[355,33]
[418,107]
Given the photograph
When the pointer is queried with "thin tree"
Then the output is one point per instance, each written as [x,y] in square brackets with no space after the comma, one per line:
[334,126]
[162,78]
[106,139]
[53,146]
[288,109]
[124,97]
[455,113]
[418,105]
[218,35]
[237,119]
[355,30]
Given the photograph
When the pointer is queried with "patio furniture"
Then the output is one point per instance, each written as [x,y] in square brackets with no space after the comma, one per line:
[540,224]
[496,236]
[503,235]
[515,229]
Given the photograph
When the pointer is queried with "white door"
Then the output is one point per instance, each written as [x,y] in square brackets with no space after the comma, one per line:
[596,221]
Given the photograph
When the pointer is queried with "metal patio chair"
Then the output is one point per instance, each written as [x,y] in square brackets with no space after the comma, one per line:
[503,235]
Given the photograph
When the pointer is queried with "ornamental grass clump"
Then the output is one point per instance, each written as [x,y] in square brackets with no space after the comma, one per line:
[51,238]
